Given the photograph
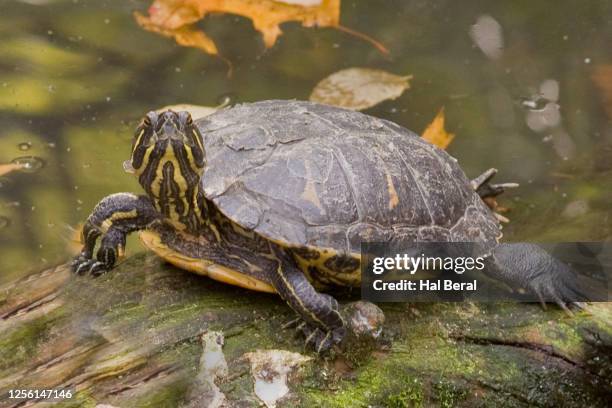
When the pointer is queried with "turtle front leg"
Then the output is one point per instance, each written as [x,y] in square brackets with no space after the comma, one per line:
[323,325]
[113,219]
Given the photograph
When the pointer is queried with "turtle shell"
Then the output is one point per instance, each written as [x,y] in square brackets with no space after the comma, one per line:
[309,175]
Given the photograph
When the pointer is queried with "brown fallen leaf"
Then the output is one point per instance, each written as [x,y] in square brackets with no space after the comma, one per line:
[602,77]
[184,35]
[174,18]
[196,111]
[10,167]
[436,134]
[359,88]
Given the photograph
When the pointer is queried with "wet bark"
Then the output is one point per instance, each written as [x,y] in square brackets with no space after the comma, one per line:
[131,338]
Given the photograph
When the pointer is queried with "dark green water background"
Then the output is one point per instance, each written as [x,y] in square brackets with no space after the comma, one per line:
[76,76]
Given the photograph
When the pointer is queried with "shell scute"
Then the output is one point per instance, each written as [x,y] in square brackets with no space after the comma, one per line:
[310,175]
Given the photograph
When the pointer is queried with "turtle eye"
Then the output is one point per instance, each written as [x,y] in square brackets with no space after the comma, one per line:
[185,119]
[150,119]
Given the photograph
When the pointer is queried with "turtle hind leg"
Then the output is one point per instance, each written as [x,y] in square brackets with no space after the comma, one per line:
[529,266]
[322,323]
[485,189]
[488,191]
[113,218]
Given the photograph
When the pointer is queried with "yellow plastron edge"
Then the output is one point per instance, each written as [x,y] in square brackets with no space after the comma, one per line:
[152,241]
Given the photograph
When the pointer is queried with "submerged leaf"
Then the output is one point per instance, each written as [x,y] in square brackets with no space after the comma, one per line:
[436,134]
[183,35]
[602,77]
[488,36]
[174,18]
[359,88]
[196,111]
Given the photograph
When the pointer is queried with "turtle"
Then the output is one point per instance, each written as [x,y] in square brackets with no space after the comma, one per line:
[277,196]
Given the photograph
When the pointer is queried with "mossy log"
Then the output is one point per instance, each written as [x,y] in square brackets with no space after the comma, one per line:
[131,338]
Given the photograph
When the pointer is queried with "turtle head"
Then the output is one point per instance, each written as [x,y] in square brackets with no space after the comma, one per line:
[166,137]
[167,155]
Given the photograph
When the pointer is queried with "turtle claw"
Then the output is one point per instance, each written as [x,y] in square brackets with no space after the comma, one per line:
[104,261]
[97,269]
[563,290]
[578,305]
[320,340]
[504,186]
[571,307]
[292,323]
[82,266]
[547,278]
[485,189]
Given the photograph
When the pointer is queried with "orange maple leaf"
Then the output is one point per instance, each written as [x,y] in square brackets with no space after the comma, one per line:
[436,134]
[174,18]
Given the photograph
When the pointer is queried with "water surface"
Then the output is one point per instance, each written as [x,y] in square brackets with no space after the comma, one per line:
[76,76]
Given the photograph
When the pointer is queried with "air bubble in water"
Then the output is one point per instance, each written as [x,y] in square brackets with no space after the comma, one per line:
[30,164]
[24,146]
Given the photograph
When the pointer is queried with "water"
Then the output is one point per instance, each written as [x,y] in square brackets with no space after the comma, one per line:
[76,76]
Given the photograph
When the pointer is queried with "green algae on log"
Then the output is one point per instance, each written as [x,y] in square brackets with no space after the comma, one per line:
[132,338]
